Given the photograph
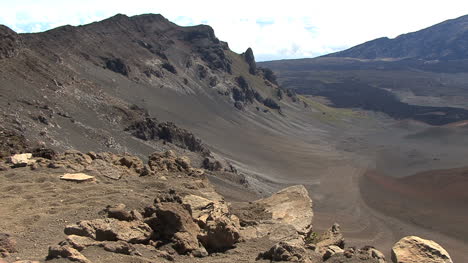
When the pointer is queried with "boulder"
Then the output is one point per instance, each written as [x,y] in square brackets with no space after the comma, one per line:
[132,162]
[376,254]
[118,212]
[21,160]
[80,242]
[412,249]
[219,228]
[110,229]
[67,252]
[285,251]
[291,206]
[174,223]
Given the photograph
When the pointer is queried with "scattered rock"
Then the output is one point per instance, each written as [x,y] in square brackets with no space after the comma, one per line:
[110,229]
[284,251]
[77,177]
[332,236]
[7,244]
[412,249]
[67,252]
[331,251]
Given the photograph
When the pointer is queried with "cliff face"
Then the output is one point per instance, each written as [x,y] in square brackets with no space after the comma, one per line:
[99,79]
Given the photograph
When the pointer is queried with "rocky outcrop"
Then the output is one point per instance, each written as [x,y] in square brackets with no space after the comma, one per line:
[412,249]
[12,142]
[168,162]
[250,59]
[9,42]
[117,65]
[7,244]
[175,224]
[331,237]
[219,228]
[150,129]
[189,224]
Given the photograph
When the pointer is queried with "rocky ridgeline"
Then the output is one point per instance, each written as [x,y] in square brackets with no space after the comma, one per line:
[9,43]
[197,222]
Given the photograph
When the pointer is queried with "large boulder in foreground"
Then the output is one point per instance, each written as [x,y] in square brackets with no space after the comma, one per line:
[219,228]
[291,206]
[413,249]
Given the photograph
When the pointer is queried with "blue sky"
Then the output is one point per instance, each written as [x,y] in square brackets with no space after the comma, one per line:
[274,29]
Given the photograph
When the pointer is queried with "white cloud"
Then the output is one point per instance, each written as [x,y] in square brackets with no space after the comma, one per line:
[274,29]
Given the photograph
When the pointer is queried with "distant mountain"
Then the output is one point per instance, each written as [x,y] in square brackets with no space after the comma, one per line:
[445,41]
[421,75]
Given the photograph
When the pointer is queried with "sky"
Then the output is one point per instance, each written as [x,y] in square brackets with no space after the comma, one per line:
[273,29]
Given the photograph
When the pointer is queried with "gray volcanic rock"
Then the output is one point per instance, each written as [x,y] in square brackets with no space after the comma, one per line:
[414,249]
[250,59]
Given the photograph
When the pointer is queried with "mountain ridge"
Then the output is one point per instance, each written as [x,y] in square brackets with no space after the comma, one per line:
[444,41]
